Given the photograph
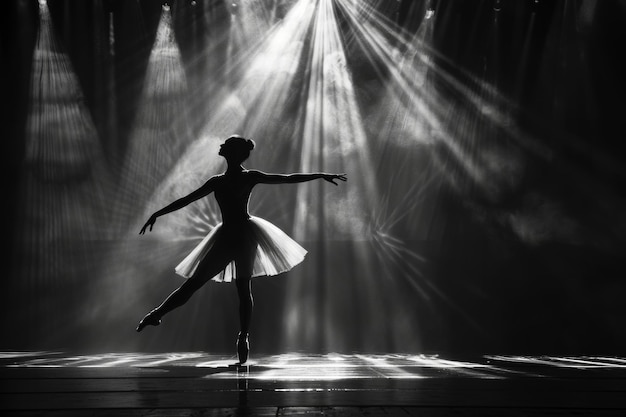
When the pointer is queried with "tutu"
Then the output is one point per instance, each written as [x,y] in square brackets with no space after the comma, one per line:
[274,252]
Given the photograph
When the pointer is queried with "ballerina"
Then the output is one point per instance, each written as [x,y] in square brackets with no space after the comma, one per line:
[241,246]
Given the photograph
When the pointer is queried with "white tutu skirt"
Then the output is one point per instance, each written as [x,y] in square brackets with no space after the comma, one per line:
[273,251]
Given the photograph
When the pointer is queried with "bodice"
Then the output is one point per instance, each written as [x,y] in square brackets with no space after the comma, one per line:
[232,193]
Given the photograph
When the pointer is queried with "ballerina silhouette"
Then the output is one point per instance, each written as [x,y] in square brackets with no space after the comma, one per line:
[239,248]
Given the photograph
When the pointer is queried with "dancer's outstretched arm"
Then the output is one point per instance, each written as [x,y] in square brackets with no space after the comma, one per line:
[264,178]
[206,189]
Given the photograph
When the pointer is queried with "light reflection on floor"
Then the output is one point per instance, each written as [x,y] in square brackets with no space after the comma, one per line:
[581,362]
[310,367]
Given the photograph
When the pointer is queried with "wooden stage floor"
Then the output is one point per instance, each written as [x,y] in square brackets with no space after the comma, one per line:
[199,384]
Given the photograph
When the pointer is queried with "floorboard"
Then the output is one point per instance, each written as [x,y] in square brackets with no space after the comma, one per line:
[199,384]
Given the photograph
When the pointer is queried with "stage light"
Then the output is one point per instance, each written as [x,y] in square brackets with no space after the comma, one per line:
[233,7]
[64,183]
[430,9]
[160,131]
[61,139]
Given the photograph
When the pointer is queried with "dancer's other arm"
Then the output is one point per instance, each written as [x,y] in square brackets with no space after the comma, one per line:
[206,189]
[264,178]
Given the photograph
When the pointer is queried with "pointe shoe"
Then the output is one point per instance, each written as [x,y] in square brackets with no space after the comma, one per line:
[243,348]
[150,319]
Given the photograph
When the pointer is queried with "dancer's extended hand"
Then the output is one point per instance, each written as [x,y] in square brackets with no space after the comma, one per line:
[150,223]
[333,177]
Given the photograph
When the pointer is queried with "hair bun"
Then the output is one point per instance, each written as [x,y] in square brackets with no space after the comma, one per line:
[250,144]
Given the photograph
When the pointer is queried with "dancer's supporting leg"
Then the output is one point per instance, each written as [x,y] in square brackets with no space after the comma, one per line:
[246,303]
[244,291]
[214,262]
[244,265]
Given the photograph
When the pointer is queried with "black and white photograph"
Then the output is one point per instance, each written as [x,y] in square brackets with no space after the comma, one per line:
[313,208]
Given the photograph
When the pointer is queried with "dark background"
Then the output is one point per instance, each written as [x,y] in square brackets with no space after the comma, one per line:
[496,293]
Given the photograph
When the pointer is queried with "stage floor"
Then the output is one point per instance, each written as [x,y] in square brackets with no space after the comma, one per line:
[293,384]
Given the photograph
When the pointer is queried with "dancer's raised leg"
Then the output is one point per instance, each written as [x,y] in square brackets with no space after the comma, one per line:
[214,262]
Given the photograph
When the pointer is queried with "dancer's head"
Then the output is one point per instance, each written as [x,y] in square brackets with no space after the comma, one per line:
[236,149]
